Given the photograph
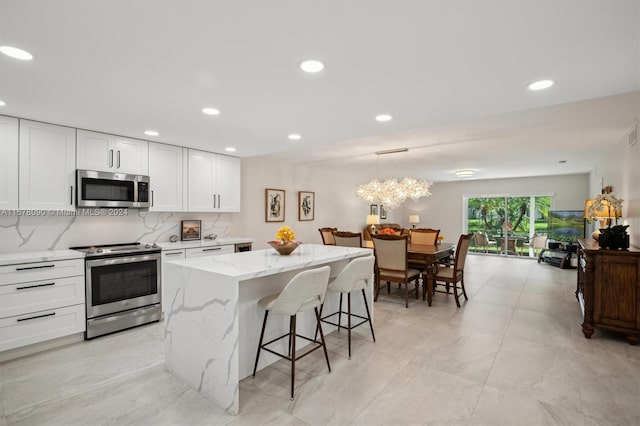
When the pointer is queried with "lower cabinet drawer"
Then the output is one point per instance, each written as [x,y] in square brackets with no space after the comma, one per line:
[39,326]
[36,271]
[18,299]
[210,251]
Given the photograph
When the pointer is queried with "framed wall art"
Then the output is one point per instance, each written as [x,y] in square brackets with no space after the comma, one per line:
[274,205]
[190,230]
[306,205]
[383,212]
[373,209]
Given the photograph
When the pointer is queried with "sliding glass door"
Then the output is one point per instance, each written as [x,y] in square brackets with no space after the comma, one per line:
[505,224]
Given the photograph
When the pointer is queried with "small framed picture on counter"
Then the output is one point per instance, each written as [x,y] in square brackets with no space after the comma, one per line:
[190,230]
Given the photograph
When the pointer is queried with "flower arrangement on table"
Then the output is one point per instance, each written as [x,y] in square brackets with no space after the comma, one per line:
[604,208]
[284,243]
[440,238]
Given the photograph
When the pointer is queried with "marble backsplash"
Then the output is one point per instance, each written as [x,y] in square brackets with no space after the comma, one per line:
[99,226]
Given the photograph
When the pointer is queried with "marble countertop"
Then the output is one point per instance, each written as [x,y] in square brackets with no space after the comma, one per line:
[39,256]
[179,245]
[259,263]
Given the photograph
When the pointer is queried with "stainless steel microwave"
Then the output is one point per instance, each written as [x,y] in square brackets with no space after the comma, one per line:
[105,189]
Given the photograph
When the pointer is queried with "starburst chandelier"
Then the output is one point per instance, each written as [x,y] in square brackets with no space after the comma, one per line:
[390,192]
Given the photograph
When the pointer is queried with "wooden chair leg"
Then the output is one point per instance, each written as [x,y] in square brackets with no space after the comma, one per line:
[375,297]
[406,295]
[464,292]
[455,293]
[264,324]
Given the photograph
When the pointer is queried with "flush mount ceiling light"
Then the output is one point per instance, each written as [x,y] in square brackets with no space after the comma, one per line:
[464,173]
[211,111]
[540,85]
[2,103]
[230,149]
[311,66]
[295,137]
[151,133]
[16,53]
[384,117]
[392,193]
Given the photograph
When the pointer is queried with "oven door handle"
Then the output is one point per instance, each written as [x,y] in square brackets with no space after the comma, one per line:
[123,259]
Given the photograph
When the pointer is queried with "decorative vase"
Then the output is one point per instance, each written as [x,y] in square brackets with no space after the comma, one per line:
[284,248]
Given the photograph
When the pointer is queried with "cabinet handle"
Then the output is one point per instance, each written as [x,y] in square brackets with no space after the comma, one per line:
[35,286]
[172,254]
[152,199]
[212,249]
[37,316]
[110,158]
[218,200]
[35,267]
[71,195]
[118,160]
[214,201]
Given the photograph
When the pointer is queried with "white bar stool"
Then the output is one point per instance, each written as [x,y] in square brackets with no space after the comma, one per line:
[355,276]
[305,291]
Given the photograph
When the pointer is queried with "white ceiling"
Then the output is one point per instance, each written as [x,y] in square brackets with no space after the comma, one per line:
[453,73]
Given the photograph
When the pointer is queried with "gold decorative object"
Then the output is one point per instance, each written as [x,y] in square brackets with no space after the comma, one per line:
[284,248]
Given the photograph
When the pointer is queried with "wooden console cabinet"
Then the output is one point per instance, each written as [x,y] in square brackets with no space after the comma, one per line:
[609,289]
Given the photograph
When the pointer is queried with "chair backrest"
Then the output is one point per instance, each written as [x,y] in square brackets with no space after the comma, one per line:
[461,251]
[539,242]
[306,286]
[327,236]
[347,239]
[391,251]
[424,236]
[354,276]
[481,239]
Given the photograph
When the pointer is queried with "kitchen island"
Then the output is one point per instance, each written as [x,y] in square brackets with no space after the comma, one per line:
[212,321]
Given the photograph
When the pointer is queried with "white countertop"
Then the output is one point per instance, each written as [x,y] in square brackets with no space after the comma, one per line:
[39,256]
[179,245]
[260,263]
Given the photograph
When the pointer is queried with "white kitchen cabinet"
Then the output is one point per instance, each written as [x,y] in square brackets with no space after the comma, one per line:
[165,173]
[8,163]
[47,166]
[40,301]
[213,182]
[109,153]
[209,251]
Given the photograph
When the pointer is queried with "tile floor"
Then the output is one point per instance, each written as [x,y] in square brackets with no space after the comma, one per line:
[513,354]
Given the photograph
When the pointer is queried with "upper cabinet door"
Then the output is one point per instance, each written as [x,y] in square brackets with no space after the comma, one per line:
[132,156]
[228,183]
[8,163]
[96,151]
[47,166]
[201,191]
[108,153]
[165,173]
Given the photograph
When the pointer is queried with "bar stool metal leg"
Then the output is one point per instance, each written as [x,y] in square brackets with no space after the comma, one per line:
[366,307]
[324,346]
[264,323]
[292,348]
[348,320]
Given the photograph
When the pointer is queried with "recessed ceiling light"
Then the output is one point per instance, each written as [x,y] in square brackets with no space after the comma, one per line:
[295,137]
[311,66]
[211,111]
[384,117]
[464,173]
[562,161]
[2,103]
[540,85]
[16,53]
[151,133]
[230,149]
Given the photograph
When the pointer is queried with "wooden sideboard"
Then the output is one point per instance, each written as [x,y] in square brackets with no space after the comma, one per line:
[609,289]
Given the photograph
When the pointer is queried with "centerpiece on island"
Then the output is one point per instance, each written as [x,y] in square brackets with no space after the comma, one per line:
[604,208]
[284,243]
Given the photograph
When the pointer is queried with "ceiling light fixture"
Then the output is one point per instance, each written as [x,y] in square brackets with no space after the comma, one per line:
[384,117]
[2,103]
[311,66]
[151,133]
[16,53]
[540,85]
[295,137]
[230,149]
[392,193]
[211,111]
[464,173]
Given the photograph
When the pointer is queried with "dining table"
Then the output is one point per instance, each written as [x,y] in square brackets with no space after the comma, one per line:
[431,254]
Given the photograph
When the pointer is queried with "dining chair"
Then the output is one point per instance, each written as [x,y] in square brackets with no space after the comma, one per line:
[454,274]
[353,277]
[392,265]
[426,236]
[537,242]
[482,240]
[347,239]
[305,291]
[327,236]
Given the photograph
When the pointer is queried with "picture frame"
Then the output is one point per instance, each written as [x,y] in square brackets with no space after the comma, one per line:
[373,209]
[274,205]
[306,205]
[190,230]
[383,212]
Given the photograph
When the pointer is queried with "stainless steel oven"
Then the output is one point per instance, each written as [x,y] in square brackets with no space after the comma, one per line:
[122,287]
